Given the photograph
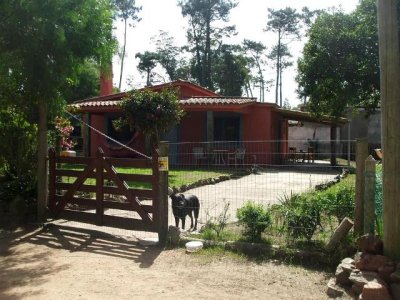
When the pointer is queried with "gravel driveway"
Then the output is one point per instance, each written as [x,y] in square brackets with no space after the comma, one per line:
[266,188]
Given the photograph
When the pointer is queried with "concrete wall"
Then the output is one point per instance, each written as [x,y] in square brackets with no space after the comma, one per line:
[299,137]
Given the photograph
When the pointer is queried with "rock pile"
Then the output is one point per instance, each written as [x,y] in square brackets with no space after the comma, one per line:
[371,275]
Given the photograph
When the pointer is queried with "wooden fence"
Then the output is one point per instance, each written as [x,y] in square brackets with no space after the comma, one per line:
[83,188]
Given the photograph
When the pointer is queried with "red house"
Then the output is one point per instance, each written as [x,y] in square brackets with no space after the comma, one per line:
[211,123]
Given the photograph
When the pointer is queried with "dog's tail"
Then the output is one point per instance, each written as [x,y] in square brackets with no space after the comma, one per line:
[196,209]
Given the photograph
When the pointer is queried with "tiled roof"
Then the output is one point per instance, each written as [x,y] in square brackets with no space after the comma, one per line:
[106,103]
[216,100]
[190,101]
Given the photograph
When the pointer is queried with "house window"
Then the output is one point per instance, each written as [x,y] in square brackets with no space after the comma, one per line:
[227,128]
[122,135]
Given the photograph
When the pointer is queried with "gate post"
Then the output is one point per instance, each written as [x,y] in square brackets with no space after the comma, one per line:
[52,180]
[99,186]
[160,172]
[361,156]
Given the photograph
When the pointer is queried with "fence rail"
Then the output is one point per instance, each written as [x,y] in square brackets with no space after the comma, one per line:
[96,190]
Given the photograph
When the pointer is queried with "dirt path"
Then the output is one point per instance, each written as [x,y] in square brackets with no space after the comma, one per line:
[71,263]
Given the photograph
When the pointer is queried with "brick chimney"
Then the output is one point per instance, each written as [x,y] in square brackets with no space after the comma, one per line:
[106,81]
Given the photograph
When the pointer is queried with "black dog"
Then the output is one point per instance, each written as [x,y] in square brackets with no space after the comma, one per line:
[185,205]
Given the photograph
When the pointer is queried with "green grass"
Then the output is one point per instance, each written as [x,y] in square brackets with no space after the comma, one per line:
[176,177]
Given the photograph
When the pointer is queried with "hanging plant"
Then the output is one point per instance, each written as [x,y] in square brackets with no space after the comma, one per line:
[152,113]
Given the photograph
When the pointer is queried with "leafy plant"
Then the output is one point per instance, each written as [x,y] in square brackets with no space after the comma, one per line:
[151,112]
[302,215]
[255,218]
[379,202]
[215,226]
[338,201]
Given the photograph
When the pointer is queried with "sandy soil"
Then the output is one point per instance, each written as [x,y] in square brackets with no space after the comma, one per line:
[70,263]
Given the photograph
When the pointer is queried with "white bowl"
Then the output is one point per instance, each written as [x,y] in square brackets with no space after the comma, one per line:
[194,246]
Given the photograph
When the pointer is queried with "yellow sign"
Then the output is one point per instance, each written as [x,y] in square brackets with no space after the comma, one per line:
[163,163]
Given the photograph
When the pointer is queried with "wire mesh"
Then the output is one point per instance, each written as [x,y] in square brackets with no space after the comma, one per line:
[224,176]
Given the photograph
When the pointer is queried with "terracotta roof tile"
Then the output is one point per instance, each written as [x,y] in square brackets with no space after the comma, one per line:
[190,101]
[217,100]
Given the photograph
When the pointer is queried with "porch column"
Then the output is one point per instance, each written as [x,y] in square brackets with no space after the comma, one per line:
[333,145]
[210,130]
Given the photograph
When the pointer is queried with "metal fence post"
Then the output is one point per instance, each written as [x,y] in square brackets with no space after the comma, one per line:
[361,156]
[369,195]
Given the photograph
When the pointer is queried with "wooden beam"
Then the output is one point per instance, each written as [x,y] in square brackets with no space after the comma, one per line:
[390,102]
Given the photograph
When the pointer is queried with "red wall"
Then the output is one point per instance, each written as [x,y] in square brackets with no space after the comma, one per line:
[193,127]
[258,137]
[96,140]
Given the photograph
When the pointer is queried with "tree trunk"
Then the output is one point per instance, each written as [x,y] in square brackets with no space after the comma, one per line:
[42,181]
[122,56]
[262,85]
[389,53]
[280,85]
[207,54]
[340,232]
[278,54]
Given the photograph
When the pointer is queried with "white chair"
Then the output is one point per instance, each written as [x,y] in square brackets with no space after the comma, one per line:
[237,156]
[199,155]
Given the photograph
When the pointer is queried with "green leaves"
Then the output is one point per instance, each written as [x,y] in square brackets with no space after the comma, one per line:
[255,218]
[151,112]
[340,65]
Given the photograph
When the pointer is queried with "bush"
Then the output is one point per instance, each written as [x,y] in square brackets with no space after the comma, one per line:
[302,215]
[255,218]
[338,201]
[18,158]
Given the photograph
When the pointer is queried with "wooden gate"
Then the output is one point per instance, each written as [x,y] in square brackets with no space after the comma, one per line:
[99,189]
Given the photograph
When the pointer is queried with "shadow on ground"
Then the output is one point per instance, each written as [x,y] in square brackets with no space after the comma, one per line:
[76,239]
[22,264]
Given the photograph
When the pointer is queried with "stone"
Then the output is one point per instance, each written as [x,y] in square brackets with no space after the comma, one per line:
[360,278]
[385,272]
[370,262]
[334,290]
[343,272]
[174,235]
[375,291]
[148,242]
[395,276]
[371,244]
[395,290]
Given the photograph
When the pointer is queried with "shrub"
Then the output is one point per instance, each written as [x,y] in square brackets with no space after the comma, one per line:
[338,201]
[302,215]
[18,158]
[255,218]
[153,113]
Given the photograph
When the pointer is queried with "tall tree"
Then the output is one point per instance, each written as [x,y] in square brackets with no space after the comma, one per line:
[339,67]
[84,83]
[41,43]
[284,62]
[256,52]
[147,62]
[231,71]
[204,33]
[127,11]
[167,54]
[284,22]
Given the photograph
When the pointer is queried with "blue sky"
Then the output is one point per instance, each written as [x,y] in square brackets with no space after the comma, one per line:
[250,18]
